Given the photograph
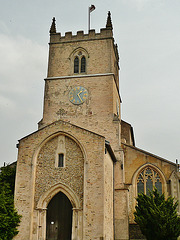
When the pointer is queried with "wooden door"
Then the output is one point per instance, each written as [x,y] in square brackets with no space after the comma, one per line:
[59,218]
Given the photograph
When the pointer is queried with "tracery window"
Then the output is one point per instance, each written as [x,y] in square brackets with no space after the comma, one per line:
[147,179]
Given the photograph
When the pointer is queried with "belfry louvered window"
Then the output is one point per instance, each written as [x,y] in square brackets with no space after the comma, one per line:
[147,179]
[80,64]
[83,64]
[76,65]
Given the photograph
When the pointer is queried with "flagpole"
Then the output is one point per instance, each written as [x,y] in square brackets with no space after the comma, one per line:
[88,19]
[90,9]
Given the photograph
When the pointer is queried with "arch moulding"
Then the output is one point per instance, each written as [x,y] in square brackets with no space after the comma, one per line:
[51,192]
[42,210]
[77,50]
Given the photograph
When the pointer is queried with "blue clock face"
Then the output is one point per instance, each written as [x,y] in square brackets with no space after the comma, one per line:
[78,95]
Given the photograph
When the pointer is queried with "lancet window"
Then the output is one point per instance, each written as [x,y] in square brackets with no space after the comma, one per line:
[61,160]
[76,65]
[83,64]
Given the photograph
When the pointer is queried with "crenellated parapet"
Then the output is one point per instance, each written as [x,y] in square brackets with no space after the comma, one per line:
[81,36]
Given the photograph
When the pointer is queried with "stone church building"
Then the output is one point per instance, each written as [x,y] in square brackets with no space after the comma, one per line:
[78,175]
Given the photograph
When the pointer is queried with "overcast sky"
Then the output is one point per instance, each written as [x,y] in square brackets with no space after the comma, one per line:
[148,36]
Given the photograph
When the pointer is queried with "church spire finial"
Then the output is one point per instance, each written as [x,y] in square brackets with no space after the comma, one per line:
[53,26]
[109,22]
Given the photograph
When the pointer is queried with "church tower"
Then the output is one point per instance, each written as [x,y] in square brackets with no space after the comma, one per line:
[70,176]
[82,86]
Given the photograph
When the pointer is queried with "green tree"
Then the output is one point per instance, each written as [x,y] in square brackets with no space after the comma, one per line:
[9,218]
[157,217]
[7,176]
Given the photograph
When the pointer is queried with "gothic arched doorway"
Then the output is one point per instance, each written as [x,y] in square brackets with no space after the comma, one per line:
[59,218]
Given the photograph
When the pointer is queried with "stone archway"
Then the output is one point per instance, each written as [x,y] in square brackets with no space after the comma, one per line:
[70,198]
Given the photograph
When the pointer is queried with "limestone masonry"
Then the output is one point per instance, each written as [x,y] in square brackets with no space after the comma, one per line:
[78,175]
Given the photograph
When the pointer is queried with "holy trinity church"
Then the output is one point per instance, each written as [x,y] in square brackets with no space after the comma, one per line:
[78,175]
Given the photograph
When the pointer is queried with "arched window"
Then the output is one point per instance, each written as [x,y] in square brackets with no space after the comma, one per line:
[147,179]
[79,61]
[76,65]
[83,64]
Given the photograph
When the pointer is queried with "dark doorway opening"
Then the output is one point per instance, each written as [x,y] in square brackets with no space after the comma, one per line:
[59,218]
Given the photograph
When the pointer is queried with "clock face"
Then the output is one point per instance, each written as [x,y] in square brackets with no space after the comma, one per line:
[78,95]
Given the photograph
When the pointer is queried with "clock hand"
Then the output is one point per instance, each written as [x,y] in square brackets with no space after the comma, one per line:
[79,96]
